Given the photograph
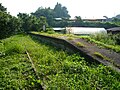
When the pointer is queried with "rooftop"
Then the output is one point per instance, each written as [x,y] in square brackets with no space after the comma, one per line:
[114,29]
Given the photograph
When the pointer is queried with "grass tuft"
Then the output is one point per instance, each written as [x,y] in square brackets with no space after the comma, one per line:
[70,38]
[79,44]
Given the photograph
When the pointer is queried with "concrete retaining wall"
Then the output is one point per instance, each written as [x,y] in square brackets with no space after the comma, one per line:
[65,45]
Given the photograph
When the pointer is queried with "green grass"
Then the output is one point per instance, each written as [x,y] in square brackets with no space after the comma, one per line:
[57,69]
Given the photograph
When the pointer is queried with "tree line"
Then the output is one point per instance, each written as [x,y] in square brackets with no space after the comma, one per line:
[60,11]
[10,25]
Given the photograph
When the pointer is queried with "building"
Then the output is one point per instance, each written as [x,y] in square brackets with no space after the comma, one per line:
[114,30]
[85,20]
[85,30]
[59,30]
[80,30]
[95,20]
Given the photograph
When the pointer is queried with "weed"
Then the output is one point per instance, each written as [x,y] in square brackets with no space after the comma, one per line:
[70,38]
[79,44]
[99,55]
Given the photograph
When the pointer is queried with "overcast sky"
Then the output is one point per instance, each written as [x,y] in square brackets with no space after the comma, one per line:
[83,8]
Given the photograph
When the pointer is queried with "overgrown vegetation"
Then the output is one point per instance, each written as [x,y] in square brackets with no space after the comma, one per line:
[56,68]
[99,55]
[108,41]
[10,25]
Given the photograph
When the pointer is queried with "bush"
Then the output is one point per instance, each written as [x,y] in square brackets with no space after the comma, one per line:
[50,30]
[118,39]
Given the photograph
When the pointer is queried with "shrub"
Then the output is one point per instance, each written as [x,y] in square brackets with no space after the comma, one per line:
[50,30]
[118,39]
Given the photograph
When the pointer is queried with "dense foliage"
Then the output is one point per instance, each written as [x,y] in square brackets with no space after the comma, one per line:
[31,23]
[59,17]
[56,68]
[59,11]
[2,8]
[111,39]
[9,25]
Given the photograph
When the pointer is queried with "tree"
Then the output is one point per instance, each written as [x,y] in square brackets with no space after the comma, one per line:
[46,12]
[31,23]
[24,18]
[9,25]
[78,18]
[2,8]
[116,21]
[60,12]
[50,14]
[43,22]
[105,17]
[78,21]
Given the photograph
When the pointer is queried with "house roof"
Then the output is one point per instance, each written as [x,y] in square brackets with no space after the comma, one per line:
[114,29]
[58,29]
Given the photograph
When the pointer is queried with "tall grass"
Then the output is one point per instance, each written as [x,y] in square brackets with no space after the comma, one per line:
[110,39]
[103,40]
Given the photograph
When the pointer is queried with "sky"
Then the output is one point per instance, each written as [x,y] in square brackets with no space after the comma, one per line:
[84,8]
